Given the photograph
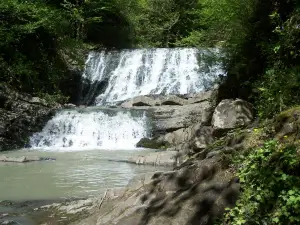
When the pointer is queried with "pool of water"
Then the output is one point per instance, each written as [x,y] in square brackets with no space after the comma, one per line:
[74,174]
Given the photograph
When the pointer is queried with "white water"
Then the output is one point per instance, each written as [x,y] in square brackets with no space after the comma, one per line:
[91,129]
[132,73]
[129,73]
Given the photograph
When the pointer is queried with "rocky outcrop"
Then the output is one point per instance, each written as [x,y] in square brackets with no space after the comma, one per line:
[230,114]
[20,116]
[200,133]
[171,113]
[171,118]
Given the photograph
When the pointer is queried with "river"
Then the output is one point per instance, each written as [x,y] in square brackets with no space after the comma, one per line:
[84,173]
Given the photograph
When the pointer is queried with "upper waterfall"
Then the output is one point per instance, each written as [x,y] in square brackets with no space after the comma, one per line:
[130,73]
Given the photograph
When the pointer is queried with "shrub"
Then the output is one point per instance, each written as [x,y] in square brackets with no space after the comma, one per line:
[270,187]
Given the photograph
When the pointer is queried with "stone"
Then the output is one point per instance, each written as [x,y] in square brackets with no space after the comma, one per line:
[37,100]
[162,158]
[139,101]
[202,96]
[171,118]
[230,114]
[24,159]
[203,138]
[151,143]
[69,106]
[173,100]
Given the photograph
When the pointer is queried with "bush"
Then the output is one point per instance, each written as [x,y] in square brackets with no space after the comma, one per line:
[270,184]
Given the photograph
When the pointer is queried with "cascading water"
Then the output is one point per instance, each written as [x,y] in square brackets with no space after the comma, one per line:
[131,73]
[92,129]
[122,75]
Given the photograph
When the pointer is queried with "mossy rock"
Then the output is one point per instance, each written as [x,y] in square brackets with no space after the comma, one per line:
[287,123]
[152,143]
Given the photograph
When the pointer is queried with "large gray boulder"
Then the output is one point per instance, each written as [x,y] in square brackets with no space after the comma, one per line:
[191,139]
[230,114]
[171,118]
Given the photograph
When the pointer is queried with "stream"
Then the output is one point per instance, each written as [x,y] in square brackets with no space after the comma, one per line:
[75,174]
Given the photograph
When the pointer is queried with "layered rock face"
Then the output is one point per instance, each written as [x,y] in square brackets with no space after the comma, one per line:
[171,112]
[189,123]
[20,116]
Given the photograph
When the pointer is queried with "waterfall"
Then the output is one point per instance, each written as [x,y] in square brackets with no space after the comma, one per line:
[131,73]
[118,75]
[92,129]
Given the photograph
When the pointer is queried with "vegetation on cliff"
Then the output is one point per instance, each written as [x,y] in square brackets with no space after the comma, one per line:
[268,169]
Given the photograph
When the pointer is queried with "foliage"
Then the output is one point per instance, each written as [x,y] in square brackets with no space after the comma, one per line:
[278,90]
[262,49]
[54,98]
[31,35]
[270,183]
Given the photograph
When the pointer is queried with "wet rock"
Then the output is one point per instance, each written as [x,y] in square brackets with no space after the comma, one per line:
[230,114]
[139,101]
[151,143]
[163,158]
[8,222]
[24,159]
[69,106]
[173,100]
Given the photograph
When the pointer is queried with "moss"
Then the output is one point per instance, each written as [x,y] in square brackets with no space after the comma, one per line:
[289,113]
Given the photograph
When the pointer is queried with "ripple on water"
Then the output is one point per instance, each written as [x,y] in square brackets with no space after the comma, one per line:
[77,174]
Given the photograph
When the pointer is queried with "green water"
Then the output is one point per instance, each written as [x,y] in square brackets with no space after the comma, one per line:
[74,174]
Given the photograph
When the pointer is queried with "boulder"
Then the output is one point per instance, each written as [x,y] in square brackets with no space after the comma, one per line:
[230,114]
[152,143]
[203,137]
[69,106]
[37,100]
[170,118]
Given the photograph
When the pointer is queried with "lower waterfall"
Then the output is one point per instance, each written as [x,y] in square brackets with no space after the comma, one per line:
[92,129]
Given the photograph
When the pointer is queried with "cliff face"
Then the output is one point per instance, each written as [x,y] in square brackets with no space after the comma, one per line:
[20,116]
